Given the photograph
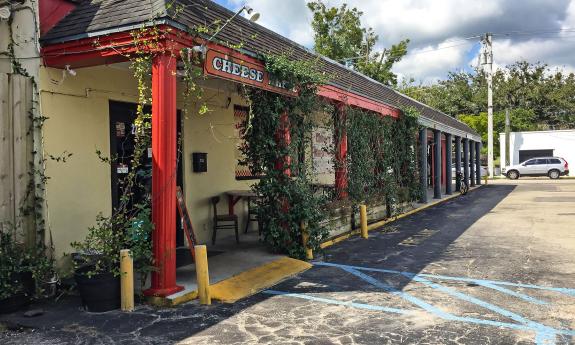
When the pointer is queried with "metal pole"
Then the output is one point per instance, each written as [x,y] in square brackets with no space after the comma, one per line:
[488,51]
[507,134]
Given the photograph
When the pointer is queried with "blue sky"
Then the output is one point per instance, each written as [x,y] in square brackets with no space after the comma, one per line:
[444,33]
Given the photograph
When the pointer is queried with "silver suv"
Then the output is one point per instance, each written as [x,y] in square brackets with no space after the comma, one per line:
[554,167]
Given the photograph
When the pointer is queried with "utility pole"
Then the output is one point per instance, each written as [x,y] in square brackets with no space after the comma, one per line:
[487,61]
[507,139]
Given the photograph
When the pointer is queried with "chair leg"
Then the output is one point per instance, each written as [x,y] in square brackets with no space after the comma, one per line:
[214,233]
[247,223]
[237,231]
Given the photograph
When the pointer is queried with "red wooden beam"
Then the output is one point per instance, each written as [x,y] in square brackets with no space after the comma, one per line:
[117,47]
[352,99]
[341,154]
[114,47]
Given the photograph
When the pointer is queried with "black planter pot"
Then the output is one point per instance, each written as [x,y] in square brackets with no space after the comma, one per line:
[100,292]
[14,303]
[28,284]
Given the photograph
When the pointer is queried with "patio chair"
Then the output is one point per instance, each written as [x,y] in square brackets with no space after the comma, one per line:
[227,221]
[252,217]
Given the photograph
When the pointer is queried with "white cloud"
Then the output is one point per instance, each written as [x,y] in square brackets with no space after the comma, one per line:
[291,19]
[428,64]
[437,24]
[557,52]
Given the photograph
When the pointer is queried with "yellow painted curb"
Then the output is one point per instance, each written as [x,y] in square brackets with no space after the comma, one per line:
[379,224]
[243,284]
[256,279]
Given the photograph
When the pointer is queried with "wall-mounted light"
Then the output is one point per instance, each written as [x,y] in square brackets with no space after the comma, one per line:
[254,17]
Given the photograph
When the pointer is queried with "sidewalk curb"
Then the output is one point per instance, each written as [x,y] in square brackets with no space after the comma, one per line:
[377,225]
[243,284]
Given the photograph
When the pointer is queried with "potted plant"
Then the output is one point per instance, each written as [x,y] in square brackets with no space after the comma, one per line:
[97,261]
[17,284]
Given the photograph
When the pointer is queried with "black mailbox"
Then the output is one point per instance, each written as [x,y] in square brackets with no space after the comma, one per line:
[200,162]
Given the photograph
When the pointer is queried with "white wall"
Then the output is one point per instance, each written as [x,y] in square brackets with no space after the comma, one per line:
[562,142]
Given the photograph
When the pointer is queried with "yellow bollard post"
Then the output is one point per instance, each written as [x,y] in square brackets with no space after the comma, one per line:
[485,178]
[363,220]
[127,280]
[202,274]
[305,238]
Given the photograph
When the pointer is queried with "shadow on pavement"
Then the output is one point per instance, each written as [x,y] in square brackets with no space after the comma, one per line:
[409,244]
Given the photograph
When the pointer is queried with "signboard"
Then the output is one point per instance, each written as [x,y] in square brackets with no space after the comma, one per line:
[322,144]
[237,68]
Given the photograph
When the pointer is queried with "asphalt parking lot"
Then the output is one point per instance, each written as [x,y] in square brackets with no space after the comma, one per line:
[493,267]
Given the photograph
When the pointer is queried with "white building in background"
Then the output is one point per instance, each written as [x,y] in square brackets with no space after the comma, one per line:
[526,145]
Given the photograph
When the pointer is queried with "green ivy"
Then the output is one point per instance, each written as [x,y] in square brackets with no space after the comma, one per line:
[381,160]
[287,201]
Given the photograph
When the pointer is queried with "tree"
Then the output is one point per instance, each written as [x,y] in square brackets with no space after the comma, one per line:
[521,120]
[537,98]
[338,35]
[548,95]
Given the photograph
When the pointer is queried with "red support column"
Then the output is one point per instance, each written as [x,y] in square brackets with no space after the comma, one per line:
[341,153]
[283,138]
[164,149]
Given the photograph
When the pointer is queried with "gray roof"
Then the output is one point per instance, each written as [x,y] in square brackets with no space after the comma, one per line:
[92,17]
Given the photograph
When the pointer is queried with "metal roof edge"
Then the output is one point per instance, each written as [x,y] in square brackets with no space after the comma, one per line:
[427,122]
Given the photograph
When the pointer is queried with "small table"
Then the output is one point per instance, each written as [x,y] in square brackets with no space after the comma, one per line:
[235,195]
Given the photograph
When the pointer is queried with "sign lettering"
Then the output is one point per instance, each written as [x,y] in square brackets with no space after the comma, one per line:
[251,72]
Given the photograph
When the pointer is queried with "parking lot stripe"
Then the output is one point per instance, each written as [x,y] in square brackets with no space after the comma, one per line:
[336,302]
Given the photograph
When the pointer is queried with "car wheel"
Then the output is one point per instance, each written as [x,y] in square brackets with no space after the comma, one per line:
[513,174]
[554,174]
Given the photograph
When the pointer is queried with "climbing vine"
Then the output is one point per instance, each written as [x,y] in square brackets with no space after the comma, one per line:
[381,157]
[23,248]
[278,131]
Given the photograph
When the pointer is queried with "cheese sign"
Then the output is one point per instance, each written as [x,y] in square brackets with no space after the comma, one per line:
[243,69]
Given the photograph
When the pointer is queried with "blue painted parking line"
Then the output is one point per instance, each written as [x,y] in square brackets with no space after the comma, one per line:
[511,292]
[567,291]
[336,302]
[544,335]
